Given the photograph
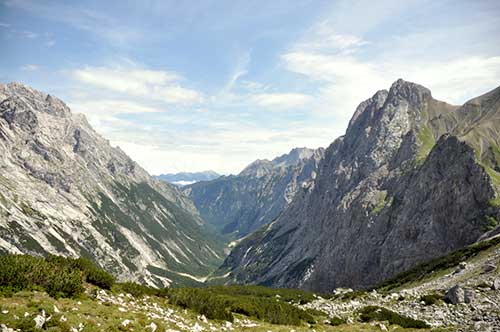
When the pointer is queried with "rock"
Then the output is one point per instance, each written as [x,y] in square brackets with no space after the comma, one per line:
[41,319]
[489,268]
[455,295]
[496,284]
[462,265]
[152,326]
[469,295]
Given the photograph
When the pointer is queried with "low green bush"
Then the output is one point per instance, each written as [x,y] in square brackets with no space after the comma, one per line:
[336,321]
[93,274]
[220,302]
[58,276]
[430,299]
[22,272]
[374,313]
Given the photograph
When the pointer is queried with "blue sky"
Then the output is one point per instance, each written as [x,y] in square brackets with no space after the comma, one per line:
[195,85]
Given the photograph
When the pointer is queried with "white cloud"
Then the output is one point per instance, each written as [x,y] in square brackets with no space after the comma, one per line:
[154,84]
[323,37]
[280,101]
[345,76]
[29,67]
[111,107]
[225,151]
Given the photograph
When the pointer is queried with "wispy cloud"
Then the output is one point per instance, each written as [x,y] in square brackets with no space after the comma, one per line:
[30,67]
[153,84]
[345,76]
[279,101]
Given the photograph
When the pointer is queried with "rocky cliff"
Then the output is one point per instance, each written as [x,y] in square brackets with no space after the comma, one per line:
[238,205]
[65,190]
[413,178]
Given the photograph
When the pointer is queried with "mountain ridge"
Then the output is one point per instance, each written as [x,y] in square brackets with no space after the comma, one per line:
[383,197]
[65,190]
[187,178]
[236,205]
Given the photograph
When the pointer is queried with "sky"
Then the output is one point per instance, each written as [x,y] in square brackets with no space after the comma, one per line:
[199,85]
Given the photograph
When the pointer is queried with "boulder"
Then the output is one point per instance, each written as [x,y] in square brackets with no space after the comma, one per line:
[455,295]
[469,295]
[496,284]
[489,268]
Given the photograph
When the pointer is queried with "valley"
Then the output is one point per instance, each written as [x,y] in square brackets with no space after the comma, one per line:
[393,227]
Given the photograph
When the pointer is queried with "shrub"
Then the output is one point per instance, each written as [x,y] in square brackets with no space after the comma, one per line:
[93,274]
[336,321]
[374,313]
[220,302]
[58,276]
[430,299]
[21,272]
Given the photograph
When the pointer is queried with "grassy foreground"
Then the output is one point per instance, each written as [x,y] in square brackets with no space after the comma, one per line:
[69,295]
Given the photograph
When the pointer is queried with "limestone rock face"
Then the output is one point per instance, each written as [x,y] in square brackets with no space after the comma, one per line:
[65,190]
[238,205]
[412,179]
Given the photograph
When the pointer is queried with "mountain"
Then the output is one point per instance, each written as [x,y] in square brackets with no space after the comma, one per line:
[238,205]
[186,178]
[413,178]
[65,190]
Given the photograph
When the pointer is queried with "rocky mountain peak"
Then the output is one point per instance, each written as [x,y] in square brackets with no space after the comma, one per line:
[402,186]
[413,93]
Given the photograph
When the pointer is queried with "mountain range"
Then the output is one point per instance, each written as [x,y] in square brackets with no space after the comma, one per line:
[413,178]
[186,178]
[237,205]
[65,190]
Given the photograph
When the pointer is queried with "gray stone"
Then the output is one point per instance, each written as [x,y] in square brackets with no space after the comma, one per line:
[455,295]
[489,268]
[469,295]
[496,284]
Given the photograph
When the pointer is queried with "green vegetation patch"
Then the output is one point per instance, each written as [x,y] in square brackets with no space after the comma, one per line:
[434,298]
[374,313]
[58,276]
[220,302]
[491,223]
[380,205]
[426,141]
[29,211]
[421,271]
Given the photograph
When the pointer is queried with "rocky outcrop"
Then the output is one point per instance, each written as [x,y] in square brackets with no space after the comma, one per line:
[65,190]
[413,178]
[238,205]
